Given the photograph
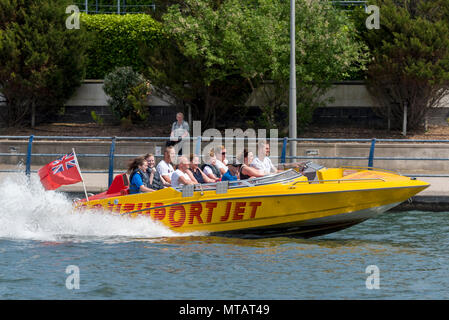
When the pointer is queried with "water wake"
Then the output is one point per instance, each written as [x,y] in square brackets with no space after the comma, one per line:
[27,211]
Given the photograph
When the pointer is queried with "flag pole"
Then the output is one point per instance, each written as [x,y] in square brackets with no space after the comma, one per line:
[79,170]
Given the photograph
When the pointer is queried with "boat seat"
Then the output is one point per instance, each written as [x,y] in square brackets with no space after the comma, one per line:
[120,184]
[330,174]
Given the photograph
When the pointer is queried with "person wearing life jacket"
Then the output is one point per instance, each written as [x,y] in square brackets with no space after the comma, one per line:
[246,171]
[138,179]
[233,173]
[156,182]
[195,173]
[210,169]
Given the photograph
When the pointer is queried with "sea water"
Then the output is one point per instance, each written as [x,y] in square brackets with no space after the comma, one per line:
[49,251]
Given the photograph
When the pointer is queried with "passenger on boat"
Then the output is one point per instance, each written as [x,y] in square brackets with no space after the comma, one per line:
[210,169]
[233,172]
[262,162]
[165,167]
[156,182]
[221,151]
[138,176]
[180,176]
[195,173]
[246,172]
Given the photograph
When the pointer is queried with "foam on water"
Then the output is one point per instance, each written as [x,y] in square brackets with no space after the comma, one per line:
[27,211]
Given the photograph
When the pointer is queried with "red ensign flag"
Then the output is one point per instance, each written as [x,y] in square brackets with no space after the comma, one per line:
[60,172]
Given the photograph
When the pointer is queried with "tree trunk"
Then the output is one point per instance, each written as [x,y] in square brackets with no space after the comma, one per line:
[404,124]
[33,115]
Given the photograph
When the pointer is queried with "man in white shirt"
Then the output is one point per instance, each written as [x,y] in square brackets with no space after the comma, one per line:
[180,176]
[165,167]
[262,162]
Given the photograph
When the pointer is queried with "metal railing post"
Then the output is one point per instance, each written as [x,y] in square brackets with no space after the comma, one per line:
[284,150]
[118,6]
[111,161]
[371,153]
[28,163]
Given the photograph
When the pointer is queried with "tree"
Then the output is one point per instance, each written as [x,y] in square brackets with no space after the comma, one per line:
[410,66]
[128,92]
[327,50]
[248,41]
[42,62]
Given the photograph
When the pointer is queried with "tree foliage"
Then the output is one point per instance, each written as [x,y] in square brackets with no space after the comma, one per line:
[41,61]
[128,92]
[410,65]
[117,41]
[214,41]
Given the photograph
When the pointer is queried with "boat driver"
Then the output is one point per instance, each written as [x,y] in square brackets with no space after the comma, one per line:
[262,162]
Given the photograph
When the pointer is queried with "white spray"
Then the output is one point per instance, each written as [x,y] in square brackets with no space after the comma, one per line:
[27,211]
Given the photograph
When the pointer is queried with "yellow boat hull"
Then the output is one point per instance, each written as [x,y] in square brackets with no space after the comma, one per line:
[297,207]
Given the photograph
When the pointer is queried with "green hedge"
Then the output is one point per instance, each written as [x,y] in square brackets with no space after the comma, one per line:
[117,40]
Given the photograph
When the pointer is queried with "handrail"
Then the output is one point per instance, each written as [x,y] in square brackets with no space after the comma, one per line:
[197,141]
[336,180]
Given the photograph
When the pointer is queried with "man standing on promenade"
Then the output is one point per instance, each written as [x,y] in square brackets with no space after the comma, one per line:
[165,167]
[179,129]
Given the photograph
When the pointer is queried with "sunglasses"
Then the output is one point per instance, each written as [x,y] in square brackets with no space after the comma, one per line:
[223,153]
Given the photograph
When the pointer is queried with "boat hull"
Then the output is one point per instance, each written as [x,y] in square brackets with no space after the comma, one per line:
[313,227]
[297,208]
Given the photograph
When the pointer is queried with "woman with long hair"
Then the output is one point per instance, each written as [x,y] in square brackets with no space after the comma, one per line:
[138,177]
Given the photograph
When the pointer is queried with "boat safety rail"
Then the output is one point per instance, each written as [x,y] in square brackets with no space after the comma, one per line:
[337,181]
[223,186]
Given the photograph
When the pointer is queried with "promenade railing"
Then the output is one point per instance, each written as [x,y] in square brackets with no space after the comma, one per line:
[130,6]
[369,156]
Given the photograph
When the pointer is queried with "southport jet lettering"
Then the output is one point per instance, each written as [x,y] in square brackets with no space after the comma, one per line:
[179,215]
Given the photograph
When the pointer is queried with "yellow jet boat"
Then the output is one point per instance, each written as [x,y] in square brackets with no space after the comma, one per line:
[288,203]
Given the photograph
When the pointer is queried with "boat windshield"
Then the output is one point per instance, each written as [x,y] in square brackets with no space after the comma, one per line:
[283,176]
